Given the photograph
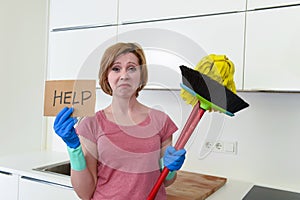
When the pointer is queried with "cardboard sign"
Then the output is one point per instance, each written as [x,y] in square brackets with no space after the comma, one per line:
[80,94]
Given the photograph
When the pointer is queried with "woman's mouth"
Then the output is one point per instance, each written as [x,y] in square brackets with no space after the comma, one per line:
[124,85]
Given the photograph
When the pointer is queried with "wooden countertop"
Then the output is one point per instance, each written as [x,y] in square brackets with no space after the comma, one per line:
[193,186]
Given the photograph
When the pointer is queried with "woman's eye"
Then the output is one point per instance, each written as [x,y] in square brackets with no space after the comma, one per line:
[132,69]
[115,69]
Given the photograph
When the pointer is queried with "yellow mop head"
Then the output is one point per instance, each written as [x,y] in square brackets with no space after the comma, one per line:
[218,68]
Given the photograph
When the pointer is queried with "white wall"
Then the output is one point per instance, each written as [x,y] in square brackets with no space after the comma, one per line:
[267,134]
[23,39]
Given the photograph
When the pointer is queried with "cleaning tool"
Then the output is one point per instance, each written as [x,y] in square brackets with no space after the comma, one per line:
[204,93]
[217,67]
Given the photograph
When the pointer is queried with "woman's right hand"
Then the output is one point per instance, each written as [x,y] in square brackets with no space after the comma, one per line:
[64,127]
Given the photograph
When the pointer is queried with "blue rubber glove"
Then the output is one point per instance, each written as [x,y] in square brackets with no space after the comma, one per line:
[64,127]
[173,159]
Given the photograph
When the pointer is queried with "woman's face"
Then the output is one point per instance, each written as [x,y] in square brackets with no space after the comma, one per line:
[124,75]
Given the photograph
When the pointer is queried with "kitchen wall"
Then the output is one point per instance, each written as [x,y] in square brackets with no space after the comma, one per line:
[23,39]
[267,134]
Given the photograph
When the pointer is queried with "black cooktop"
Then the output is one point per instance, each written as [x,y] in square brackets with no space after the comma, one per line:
[265,193]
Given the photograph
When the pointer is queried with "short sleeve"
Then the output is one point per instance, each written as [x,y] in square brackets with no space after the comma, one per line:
[87,128]
[168,129]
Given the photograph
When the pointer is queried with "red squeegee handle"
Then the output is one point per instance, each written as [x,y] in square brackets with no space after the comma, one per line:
[189,126]
[186,132]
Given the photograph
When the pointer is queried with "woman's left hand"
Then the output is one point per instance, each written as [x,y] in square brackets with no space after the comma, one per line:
[173,159]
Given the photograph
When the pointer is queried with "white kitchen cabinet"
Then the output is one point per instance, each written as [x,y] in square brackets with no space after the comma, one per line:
[8,186]
[76,13]
[168,44]
[272,49]
[254,4]
[34,189]
[135,10]
[71,53]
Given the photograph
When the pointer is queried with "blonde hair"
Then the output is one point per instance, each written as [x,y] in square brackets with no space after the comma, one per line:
[110,56]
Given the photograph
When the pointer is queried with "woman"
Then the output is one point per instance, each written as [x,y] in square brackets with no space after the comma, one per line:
[119,153]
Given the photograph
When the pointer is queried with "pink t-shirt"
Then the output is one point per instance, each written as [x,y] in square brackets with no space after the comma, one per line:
[128,156]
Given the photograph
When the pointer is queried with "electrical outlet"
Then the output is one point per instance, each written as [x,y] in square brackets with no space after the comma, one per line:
[222,147]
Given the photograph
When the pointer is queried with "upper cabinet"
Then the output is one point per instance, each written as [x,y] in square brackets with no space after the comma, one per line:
[256,4]
[76,54]
[79,33]
[272,49]
[135,10]
[260,37]
[77,13]
[171,43]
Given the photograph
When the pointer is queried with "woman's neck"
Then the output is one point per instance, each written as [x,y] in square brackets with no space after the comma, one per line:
[126,112]
[124,106]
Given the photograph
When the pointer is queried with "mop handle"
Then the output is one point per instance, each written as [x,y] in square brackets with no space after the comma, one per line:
[186,132]
[189,126]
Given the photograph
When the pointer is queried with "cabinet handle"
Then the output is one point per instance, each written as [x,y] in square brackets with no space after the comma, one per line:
[47,182]
[6,173]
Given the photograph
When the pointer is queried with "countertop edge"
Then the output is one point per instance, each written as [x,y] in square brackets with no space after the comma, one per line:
[23,164]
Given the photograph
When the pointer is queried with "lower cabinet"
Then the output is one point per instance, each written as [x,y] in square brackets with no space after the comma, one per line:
[35,189]
[8,186]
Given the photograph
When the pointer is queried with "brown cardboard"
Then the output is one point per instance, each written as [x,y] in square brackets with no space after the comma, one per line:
[81,94]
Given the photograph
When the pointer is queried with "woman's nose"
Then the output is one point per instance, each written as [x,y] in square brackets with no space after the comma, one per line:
[124,75]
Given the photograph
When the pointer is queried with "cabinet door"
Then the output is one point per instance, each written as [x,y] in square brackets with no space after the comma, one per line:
[73,13]
[171,43]
[135,10]
[273,49]
[253,4]
[8,186]
[33,189]
[71,54]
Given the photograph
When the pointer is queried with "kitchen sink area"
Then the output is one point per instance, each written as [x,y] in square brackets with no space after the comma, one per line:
[61,168]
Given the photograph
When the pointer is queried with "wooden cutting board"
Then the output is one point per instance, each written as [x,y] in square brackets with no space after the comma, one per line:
[193,186]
